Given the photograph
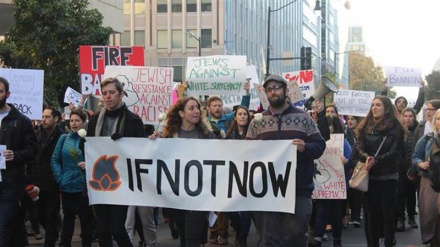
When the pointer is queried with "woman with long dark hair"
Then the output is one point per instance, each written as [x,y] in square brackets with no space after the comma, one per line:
[381,126]
[184,120]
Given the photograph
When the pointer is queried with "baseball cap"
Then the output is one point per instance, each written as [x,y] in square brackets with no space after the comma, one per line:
[276,78]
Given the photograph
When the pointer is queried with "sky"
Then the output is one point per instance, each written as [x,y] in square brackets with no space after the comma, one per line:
[403,33]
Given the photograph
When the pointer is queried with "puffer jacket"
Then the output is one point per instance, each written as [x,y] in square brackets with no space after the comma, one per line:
[69,177]
[390,155]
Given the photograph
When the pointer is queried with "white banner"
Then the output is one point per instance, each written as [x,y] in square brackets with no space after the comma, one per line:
[208,175]
[300,85]
[329,171]
[148,90]
[26,87]
[353,102]
[216,75]
[400,76]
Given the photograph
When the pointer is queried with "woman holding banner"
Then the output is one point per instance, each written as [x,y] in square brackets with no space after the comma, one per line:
[380,128]
[334,207]
[184,121]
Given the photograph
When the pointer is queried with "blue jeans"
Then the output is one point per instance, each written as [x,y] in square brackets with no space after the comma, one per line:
[10,196]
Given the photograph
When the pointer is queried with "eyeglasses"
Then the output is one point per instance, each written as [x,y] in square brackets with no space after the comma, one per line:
[430,109]
[274,88]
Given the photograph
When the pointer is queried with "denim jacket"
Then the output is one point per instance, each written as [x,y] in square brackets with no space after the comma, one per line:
[422,153]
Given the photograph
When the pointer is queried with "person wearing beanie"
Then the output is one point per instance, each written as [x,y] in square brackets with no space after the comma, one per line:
[283,121]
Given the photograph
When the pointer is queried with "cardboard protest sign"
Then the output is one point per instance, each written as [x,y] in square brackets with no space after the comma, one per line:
[26,87]
[72,96]
[233,100]
[329,178]
[148,90]
[93,59]
[300,85]
[262,95]
[163,173]
[216,75]
[353,102]
[400,76]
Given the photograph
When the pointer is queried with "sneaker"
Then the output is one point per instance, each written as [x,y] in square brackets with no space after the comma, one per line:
[400,225]
[38,236]
[222,240]
[213,239]
[381,242]
[412,222]
[356,224]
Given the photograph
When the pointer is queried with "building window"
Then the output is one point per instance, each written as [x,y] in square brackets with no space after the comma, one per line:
[206,39]
[162,6]
[162,39]
[139,38]
[176,6]
[176,37]
[191,42]
[125,38]
[191,6]
[206,5]
[178,73]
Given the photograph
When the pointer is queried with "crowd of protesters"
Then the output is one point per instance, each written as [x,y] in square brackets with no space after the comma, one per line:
[44,175]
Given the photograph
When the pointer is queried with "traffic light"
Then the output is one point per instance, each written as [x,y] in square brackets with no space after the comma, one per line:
[306,58]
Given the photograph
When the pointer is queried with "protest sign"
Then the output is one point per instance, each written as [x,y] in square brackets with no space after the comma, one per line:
[329,178]
[400,76]
[72,96]
[233,100]
[148,90]
[26,87]
[353,102]
[300,85]
[167,173]
[216,75]
[261,95]
[93,59]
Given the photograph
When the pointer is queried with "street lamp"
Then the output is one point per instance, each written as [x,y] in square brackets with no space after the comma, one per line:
[191,35]
[268,59]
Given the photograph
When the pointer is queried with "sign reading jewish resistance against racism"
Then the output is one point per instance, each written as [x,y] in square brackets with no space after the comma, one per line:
[216,75]
[148,90]
[26,87]
[168,173]
[300,85]
[353,102]
[329,175]
[400,76]
[93,60]
[233,100]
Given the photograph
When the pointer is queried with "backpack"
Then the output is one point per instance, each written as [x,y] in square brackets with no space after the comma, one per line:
[434,165]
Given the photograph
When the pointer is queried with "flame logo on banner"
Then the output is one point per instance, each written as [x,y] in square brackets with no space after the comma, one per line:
[105,177]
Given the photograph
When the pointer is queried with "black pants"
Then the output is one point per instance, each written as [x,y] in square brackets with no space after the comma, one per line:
[381,204]
[74,203]
[111,222]
[49,215]
[192,226]
[406,197]
[11,219]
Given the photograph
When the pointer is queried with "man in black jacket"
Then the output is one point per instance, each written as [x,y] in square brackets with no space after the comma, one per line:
[48,134]
[117,121]
[17,134]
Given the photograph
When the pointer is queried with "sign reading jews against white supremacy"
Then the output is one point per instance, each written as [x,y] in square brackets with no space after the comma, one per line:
[26,87]
[353,102]
[329,175]
[147,90]
[400,76]
[216,75]
[192,174]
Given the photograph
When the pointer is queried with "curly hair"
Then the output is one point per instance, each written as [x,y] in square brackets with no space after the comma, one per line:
[174,120]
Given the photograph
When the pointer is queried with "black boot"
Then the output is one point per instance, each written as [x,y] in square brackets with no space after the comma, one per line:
[337,243]
[400,225]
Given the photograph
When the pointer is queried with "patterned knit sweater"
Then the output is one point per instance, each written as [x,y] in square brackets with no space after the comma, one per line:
[291,124]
